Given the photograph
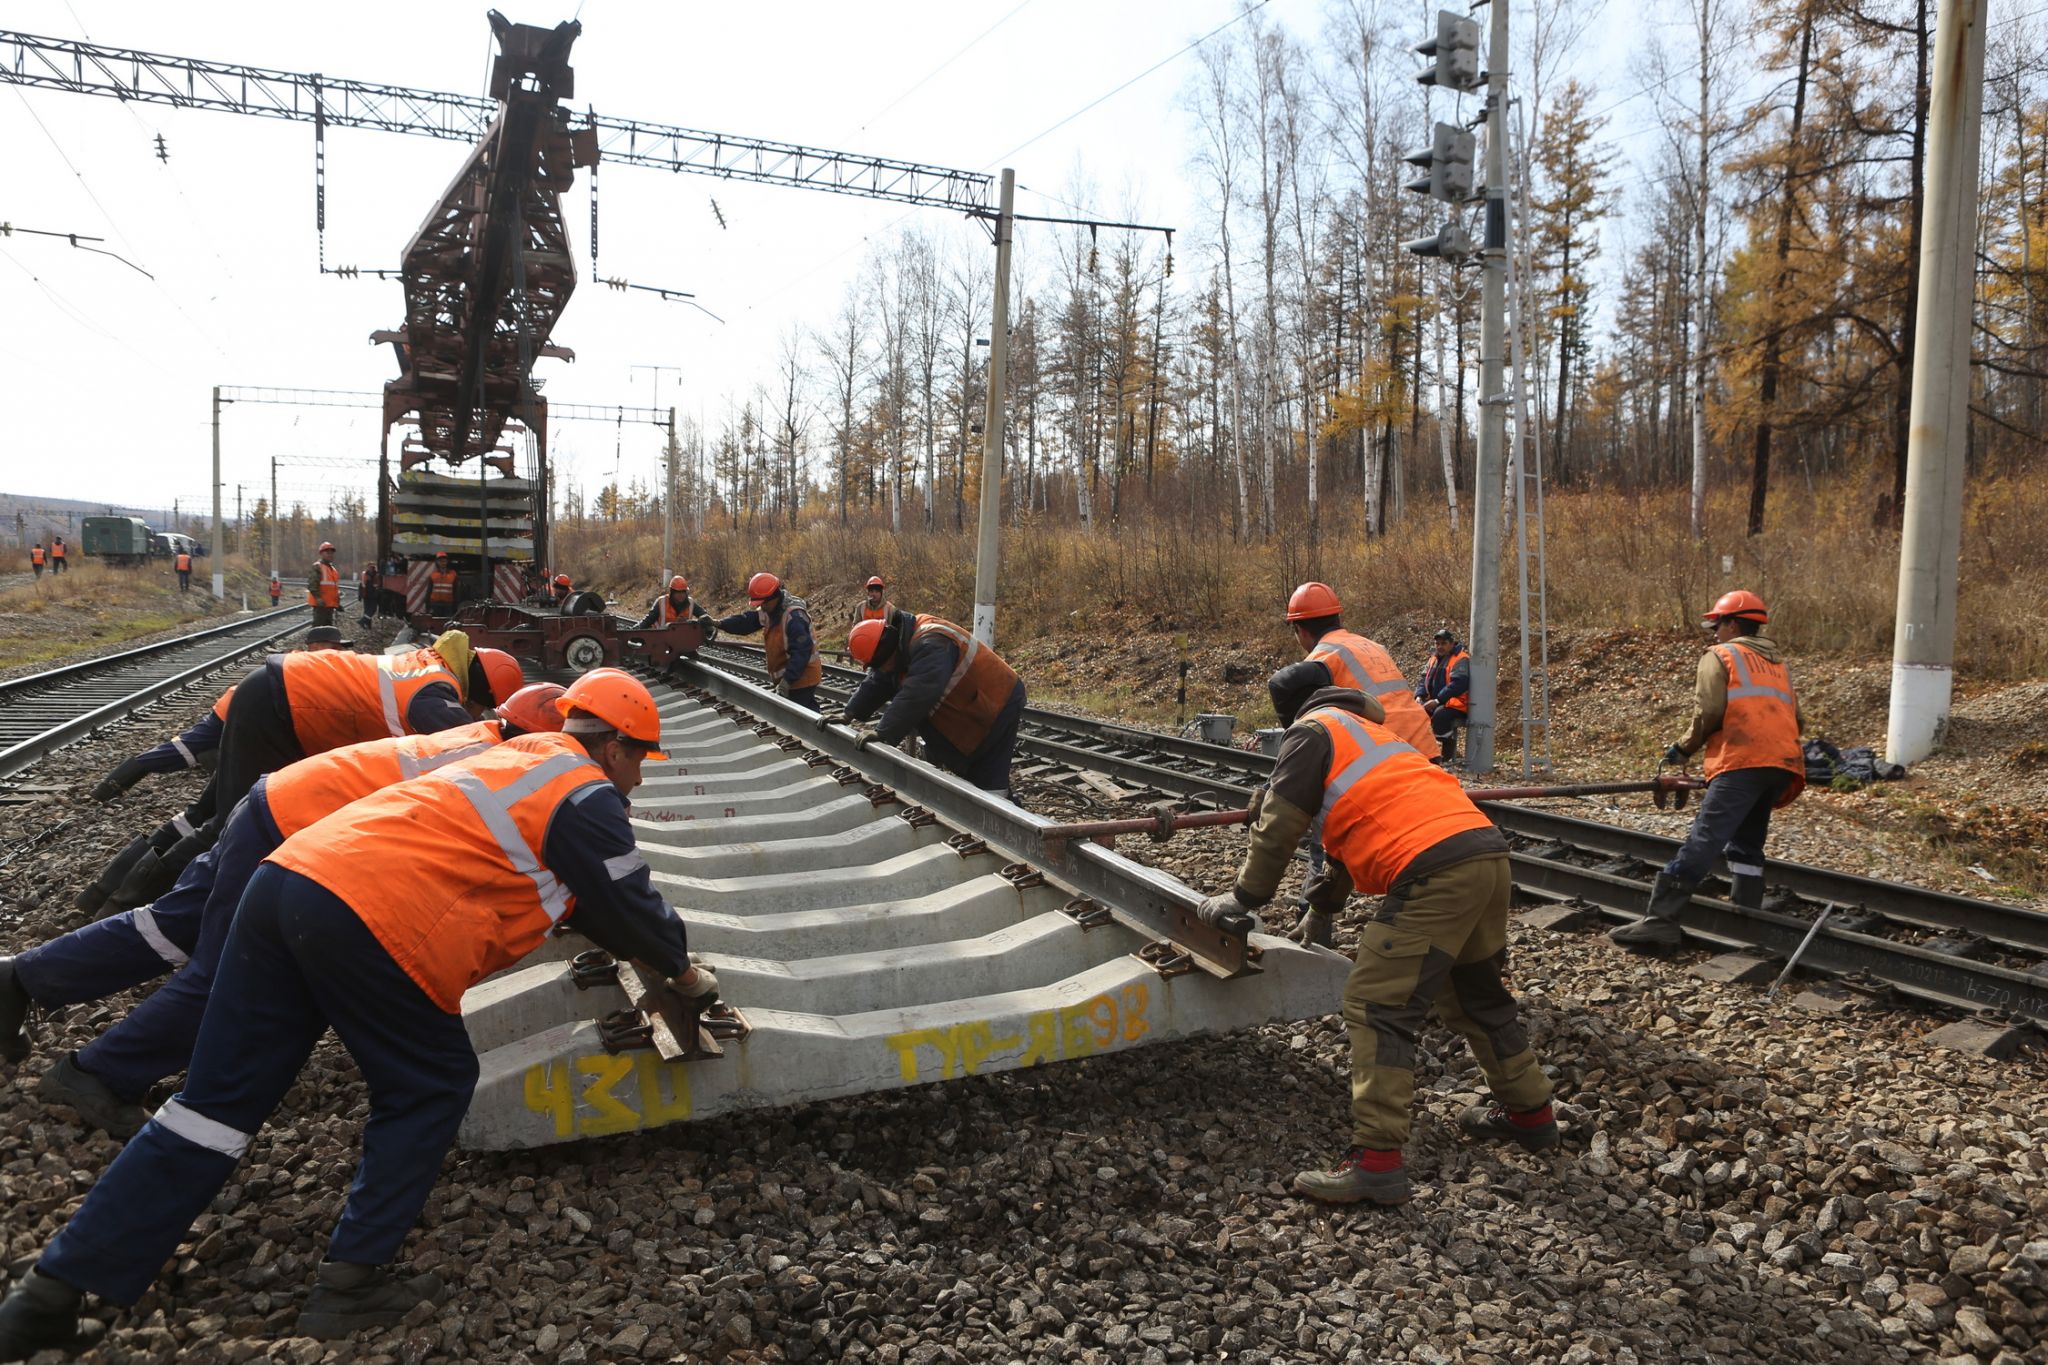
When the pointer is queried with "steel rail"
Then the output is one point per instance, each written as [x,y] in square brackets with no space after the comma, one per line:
[44,694]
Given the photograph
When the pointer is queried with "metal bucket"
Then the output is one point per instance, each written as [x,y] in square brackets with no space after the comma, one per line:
[1269,741]
[1216,728]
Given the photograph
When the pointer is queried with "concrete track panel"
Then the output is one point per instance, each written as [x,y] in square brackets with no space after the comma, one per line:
[689,831]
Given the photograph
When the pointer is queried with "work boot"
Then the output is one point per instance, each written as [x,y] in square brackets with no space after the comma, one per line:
[153,874]
[1449,745]
[95,1103]
[14,1006]
[41,1314]
[111,876]
[1314,928]
[1746,889]
[1535,1129]
[1658,931]
[347,1298]
[1352,1181]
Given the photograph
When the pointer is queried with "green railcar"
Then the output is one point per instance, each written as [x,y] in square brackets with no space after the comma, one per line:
[116,540]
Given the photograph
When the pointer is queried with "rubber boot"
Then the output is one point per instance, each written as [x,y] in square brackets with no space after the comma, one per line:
[1658,931]
[1449,744]
[155,873]
[1746,890]
[41,1314]
[92,1099]
[14,1006]
[112,875]
[347,1298]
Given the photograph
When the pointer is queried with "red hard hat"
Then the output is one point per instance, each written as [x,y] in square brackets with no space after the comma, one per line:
[562,580]
[501,671]
[1741,604]
[876,582]
[861,643]
[679,584]
[763,586]
[532,707]
[325,546]
[441,555]
[621,701]
[1312,601]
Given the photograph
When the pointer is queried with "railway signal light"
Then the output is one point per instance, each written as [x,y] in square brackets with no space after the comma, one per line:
[1454,54]
[1448,162]
[1451,243]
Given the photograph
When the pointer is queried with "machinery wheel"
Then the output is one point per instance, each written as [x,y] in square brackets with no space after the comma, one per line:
[583,653]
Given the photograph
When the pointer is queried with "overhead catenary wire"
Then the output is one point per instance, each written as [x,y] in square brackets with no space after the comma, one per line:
[927,78]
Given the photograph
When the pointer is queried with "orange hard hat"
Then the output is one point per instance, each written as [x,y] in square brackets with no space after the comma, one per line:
[325,546]
[441,555]
[679,584]
[763,586]
[1313,601]
[876,582]
[861,643]
[619,700]
[501,672]
[1741,604]
[532,707]
[562,580]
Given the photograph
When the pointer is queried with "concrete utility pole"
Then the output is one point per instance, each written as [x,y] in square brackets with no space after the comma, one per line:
[220,580]
[1924,636]
[270,528]
[987,557]
[1483,636]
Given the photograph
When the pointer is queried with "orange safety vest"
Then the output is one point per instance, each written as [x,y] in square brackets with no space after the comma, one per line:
[1760,728]
[57,550]
[329,594]
[441,586]
[312,789]
[35,556]
[448,872]
[1384,803]
[184,562]
[668,614]
[777,648]
[339,697]
[275,587]
[864,612]
[220,708]
[975,695]
[1461,702]
[1361,664]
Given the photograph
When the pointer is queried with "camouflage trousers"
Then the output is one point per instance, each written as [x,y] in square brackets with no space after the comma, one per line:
[1440,943]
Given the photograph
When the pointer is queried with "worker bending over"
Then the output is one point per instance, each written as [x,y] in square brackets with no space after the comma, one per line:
[373,922]
[677,605]
[872,607]
[183,931]
[1356,662]
[1746,716]
[785,626]
[938,681]
[1399,827]
[1445,691]
[196,746]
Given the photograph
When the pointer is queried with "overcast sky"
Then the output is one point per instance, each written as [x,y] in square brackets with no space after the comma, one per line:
[106,374]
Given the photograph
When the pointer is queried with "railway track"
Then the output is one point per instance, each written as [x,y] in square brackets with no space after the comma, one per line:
[45,711]
[1956,951]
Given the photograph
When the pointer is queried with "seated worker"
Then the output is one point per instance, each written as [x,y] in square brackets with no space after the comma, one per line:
[675,605]
[560,589]
[785,626]
[872,607]
[937,680]
[183,931]
[1444,691]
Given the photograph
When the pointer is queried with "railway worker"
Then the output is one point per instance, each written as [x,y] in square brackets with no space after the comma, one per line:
[196,746]
[675,605]
[872,607]
[1356,662]
[276,590]
[1399,827]
[1746,716]
[440,587]
[366,594]
[183,931]
[35,558]
[183,564]
[373,922]
[560,589]
[942,684]
[57,564]
[295,705]
[1445,690]
[785,626]
[323,586]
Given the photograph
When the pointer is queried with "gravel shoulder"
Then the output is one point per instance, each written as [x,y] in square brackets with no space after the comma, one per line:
[1741,1182]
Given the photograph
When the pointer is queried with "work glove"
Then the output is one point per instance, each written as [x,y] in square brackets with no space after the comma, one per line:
[865,736]
[1225,912]
[121,779]
[1675,755]
[781,687]
[698,985]
[710,631]
[1314,928]
[831,715]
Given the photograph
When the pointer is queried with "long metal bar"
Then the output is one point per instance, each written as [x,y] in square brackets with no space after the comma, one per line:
[192,83]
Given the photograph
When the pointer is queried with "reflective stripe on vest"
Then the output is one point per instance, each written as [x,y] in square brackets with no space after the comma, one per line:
[1760,724]
[1384,804]
[496,809]
[389,675]
[313,788]
[1372,753]
[1741,684]
[1362,678]
[966,645]
[1368,668]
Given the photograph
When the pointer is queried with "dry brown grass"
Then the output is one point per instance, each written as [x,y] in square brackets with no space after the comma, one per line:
[1617,561]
